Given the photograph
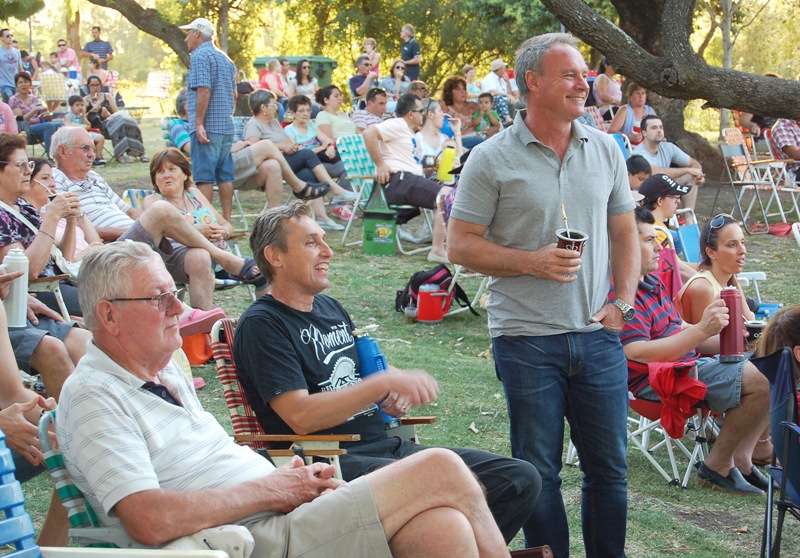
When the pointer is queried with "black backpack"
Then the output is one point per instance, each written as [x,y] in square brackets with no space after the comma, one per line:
[440,276]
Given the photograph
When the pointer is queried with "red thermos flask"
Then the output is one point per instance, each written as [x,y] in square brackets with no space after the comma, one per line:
[731,338]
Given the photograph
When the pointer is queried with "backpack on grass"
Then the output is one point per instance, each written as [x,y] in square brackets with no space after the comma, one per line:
[439,276]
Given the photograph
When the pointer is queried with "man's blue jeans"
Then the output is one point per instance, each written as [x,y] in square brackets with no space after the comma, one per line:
[582,376]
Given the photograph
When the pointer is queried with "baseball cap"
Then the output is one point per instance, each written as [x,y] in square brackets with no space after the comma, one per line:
[497,64]
[660,185]
[200,24]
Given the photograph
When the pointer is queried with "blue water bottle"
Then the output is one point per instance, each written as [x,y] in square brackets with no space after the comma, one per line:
[371,361]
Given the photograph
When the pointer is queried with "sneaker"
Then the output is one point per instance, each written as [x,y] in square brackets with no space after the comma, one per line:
[346,196]
[100,160]
[342,211]
[407,236]
[98,163]
[330,225]
[200,321]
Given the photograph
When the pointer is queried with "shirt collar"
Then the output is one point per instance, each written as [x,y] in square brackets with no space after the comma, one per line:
[650,284]
[526,136]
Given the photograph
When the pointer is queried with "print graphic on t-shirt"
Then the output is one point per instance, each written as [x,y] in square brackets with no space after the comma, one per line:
[328,345]
[342,376]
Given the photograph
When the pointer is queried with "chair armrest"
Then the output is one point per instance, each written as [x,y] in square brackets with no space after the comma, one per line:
[306,451]
[47,280]
[297,438]
[535,552]
[412,421]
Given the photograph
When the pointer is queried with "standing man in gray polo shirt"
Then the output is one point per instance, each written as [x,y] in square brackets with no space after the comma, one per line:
[555,335]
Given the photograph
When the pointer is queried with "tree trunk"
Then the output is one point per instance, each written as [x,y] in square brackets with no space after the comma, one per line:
[224,18]
[72,17]
[151,22]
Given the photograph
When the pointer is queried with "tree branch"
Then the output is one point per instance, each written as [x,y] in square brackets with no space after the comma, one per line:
[151,22]
[679,73]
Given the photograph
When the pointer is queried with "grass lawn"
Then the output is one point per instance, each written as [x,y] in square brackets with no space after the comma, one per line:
[663,520]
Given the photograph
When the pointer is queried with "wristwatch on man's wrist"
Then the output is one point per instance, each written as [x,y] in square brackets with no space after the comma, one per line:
[628,312]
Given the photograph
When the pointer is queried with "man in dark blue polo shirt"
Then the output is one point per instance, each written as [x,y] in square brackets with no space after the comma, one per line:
[102,51]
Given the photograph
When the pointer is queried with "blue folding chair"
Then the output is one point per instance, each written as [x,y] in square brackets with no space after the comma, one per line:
[779,368]
[624,144]
[16,527]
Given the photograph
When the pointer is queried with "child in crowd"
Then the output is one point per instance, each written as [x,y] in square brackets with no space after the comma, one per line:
[307,135]
[485,119]
[77,117]
[639,170]
[371,50]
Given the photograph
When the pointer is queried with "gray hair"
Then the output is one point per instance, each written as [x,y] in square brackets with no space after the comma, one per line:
[107,272]
[408,29]
[180,103]
[361,59]
[269,229]
[63,136]
[259,98]
[531,53]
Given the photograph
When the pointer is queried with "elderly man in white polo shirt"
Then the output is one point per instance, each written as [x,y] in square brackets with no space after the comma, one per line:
[188,257]
[149,457]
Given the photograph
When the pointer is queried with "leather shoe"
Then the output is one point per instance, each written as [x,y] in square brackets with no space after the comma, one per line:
[757,479]
[733,482]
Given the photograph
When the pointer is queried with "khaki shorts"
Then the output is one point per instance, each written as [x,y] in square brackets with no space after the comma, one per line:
[245,172]
[341,523]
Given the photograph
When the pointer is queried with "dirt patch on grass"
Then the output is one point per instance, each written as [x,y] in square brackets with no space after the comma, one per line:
[712,520]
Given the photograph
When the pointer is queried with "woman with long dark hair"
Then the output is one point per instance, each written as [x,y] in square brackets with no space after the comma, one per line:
[114,124]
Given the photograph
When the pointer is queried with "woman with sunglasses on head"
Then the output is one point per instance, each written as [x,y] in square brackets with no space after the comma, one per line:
[74,234]
[22,226]
[722,253]
[116,125]
[431,142]
[306,84]
[395,84]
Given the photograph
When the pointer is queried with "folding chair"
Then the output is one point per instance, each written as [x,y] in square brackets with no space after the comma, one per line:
[159,85]
[624,144]
[772,172]
[689,235]
[247,429]
[780,369]
[744,182]
[360,170]
[53,90]
[765,309]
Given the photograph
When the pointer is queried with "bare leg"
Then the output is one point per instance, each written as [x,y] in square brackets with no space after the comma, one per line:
[437,235]
[53,362]
[743,425]
[75,342]
[197,265]
[319,210]
[269,174]
[225,199]
[434,494]
[265,150]
[98,147]
[207,188]
[322,175]
[163,219]
[56,524]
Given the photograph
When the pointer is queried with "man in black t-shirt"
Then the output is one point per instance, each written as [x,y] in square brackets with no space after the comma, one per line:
[298,366]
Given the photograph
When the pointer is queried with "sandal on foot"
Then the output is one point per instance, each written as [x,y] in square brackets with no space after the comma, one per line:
[144,159]
[249,274]
[312,191]
[124,159]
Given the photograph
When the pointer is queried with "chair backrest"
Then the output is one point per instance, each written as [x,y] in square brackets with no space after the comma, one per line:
[16,527]
[624,144]
[774,153]
[796,232]
[135,196]
[594,112]
[165,120]
[239,123]
[78,510]
[242,416]
[779,368]
[158,84]
[668,270]
[53,88]
[690,238]
[357,161]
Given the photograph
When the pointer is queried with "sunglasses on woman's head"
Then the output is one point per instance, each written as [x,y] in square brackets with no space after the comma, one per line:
[719,220]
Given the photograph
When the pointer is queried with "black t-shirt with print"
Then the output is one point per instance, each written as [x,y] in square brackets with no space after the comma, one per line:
[278,349]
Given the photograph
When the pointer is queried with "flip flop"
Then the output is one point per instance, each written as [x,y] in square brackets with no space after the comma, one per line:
[249,274]
[313,191]
[144,159]
[124,159]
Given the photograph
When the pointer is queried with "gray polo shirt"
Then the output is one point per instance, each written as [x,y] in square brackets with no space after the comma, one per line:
[514,185]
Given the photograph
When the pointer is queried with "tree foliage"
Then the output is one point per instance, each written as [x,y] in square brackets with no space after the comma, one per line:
[19,9]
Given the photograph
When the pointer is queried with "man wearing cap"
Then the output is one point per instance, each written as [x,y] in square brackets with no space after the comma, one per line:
[497,83]
[667,158]
[211,94]
[656,333]
[361,83]
[662,196]
[410,52]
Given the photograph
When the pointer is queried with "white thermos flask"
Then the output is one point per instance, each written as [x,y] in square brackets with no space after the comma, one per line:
[16,303]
